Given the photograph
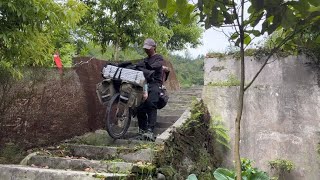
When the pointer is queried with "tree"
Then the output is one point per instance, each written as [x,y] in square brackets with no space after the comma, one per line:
[124,22]
[29,30]
[183,34]
[289,16]
[29,33]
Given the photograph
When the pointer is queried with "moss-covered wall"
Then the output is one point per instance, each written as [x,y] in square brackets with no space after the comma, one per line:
[192,148]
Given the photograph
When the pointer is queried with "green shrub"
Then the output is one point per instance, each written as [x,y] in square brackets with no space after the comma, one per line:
[281,166]
[248,172]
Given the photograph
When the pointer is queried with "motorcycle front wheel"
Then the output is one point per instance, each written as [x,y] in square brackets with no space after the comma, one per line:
[118,117]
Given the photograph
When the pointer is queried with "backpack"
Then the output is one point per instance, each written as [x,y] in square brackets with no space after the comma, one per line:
[163,97]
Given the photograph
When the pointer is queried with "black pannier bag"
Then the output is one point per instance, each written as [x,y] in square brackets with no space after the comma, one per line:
[163,97]
[105,90]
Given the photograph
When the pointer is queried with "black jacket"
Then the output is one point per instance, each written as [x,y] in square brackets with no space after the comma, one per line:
[152,68]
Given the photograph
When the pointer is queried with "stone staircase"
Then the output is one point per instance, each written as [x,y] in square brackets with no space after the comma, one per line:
[178,102]
[97,156]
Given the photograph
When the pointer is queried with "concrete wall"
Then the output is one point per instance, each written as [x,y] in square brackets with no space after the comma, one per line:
[281,117]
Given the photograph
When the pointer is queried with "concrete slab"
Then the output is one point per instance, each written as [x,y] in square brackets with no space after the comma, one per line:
[18,172]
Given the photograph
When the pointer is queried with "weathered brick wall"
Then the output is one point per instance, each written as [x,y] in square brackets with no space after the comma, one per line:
[46,107]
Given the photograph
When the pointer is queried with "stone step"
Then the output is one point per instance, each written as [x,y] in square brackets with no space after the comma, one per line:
[177,106]
[185,92]
[159,124]
[191,89]
[18,172]
[174,108]
[110,153]
[183,97]
[163,121]
[133,131]
[173,99]
[131,143]
[170,112]
[80,164]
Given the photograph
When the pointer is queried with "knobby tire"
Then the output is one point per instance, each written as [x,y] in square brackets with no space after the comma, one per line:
[112,118]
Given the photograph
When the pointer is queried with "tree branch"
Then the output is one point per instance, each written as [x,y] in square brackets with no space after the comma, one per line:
[270,55]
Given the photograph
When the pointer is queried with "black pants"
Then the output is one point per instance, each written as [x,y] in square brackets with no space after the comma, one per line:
[147,112]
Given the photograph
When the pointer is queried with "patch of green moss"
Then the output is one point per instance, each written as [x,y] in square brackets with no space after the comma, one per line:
[259,53]
[146,169]
[113,160]
[11,153]
[232,81]
[220,56]
[167,171]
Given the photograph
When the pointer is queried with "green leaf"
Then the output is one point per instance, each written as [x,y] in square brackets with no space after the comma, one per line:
[171,9]
[223,174]
[228,18]
[254,32]
[234,36]
[192,177]
[275,24]
[314,2]
[314,9]
[264,27]
[247,39]
[181,3]
[250,9]
[256,19]
[257,4]
[279,40]
[302,6]
[288,19]
[162,4]
[238,42]
[260,175]
[318,39]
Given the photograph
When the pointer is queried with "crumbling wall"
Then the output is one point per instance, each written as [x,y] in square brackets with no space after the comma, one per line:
[281,117]
[45,106]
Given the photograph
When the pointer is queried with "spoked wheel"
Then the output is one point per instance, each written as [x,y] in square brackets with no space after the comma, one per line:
[118,117]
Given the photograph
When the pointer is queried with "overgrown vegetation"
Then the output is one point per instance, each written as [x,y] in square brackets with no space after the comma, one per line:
[281,167]
[197,147]
[189,71]
[220,131]
[247,172]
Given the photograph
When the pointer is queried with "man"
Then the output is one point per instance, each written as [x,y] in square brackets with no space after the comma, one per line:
[152,67]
